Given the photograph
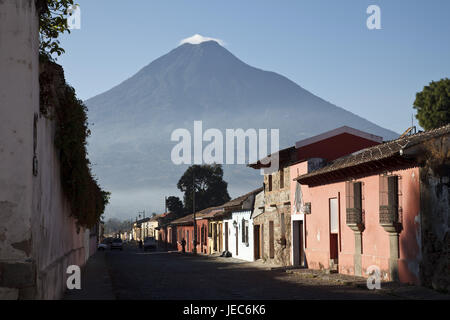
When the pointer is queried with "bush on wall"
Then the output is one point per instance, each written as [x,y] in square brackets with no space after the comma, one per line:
[59,103]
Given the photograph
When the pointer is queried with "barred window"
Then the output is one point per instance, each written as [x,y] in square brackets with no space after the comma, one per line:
[389,199]
[354,202]
[244,231]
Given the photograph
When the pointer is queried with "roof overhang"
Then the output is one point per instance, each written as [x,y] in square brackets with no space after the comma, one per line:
[375,167]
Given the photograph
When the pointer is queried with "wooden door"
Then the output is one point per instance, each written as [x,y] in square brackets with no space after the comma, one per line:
[256,244]
[226,236]
[301,257]
[237,240]
[262,241]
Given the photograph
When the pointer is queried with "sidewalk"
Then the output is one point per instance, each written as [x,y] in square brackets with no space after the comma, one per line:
[322,277]
[95,281]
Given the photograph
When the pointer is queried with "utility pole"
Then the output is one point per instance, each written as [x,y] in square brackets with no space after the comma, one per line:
[194,251]
[142,231]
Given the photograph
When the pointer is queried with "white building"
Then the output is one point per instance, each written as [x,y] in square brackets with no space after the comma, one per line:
[239,240]
[240,235]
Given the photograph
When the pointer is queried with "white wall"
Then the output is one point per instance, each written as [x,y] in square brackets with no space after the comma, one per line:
[38,238]
[19,100]
[244,252]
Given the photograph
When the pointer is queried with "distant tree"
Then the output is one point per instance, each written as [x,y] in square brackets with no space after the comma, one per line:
[175,205]
[433,104]
[207,181]
[114,225]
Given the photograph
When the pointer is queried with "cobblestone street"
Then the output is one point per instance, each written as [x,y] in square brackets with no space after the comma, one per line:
[134,274]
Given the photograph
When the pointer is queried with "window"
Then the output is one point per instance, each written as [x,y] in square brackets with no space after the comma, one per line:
[281,178]
[270,182]
[334,215]
[210,230]
[354,203]
[389,199]
[244,231]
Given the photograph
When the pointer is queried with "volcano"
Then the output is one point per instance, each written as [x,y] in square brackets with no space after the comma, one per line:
[130,145]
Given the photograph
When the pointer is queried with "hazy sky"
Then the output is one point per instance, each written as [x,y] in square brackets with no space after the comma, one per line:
[324,46]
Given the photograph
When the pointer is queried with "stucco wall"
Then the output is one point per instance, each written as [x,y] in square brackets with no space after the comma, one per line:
[202,247]
[57,242]
[375,240]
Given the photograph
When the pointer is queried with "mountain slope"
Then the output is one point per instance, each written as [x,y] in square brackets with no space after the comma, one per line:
[130,145]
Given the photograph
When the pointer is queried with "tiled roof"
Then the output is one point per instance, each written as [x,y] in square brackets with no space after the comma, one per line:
[184,220]
[240,200]
[208,213]
[378,152]
[285,157]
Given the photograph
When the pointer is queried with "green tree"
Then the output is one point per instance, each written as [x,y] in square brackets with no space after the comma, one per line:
[53,16]
[207,181]
[175,206]
[433,104]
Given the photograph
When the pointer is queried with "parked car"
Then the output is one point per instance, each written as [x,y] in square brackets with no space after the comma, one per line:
[105,244]
[102,246]
[117,243]
[149,243]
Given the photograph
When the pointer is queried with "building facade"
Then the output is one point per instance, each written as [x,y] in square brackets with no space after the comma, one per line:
[364,212]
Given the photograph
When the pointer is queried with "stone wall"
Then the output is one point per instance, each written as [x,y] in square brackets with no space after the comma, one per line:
[435,209]
[276,205]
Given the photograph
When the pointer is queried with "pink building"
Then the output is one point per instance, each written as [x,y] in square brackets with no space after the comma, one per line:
[363,211]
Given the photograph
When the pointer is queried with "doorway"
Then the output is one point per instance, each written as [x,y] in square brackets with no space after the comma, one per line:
[334,231]
[298,246]
[237,242]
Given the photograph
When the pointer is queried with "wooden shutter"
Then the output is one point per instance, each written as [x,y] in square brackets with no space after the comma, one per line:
[393,191]
[393,197]
[384,198]
[281,178]
[357,195]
